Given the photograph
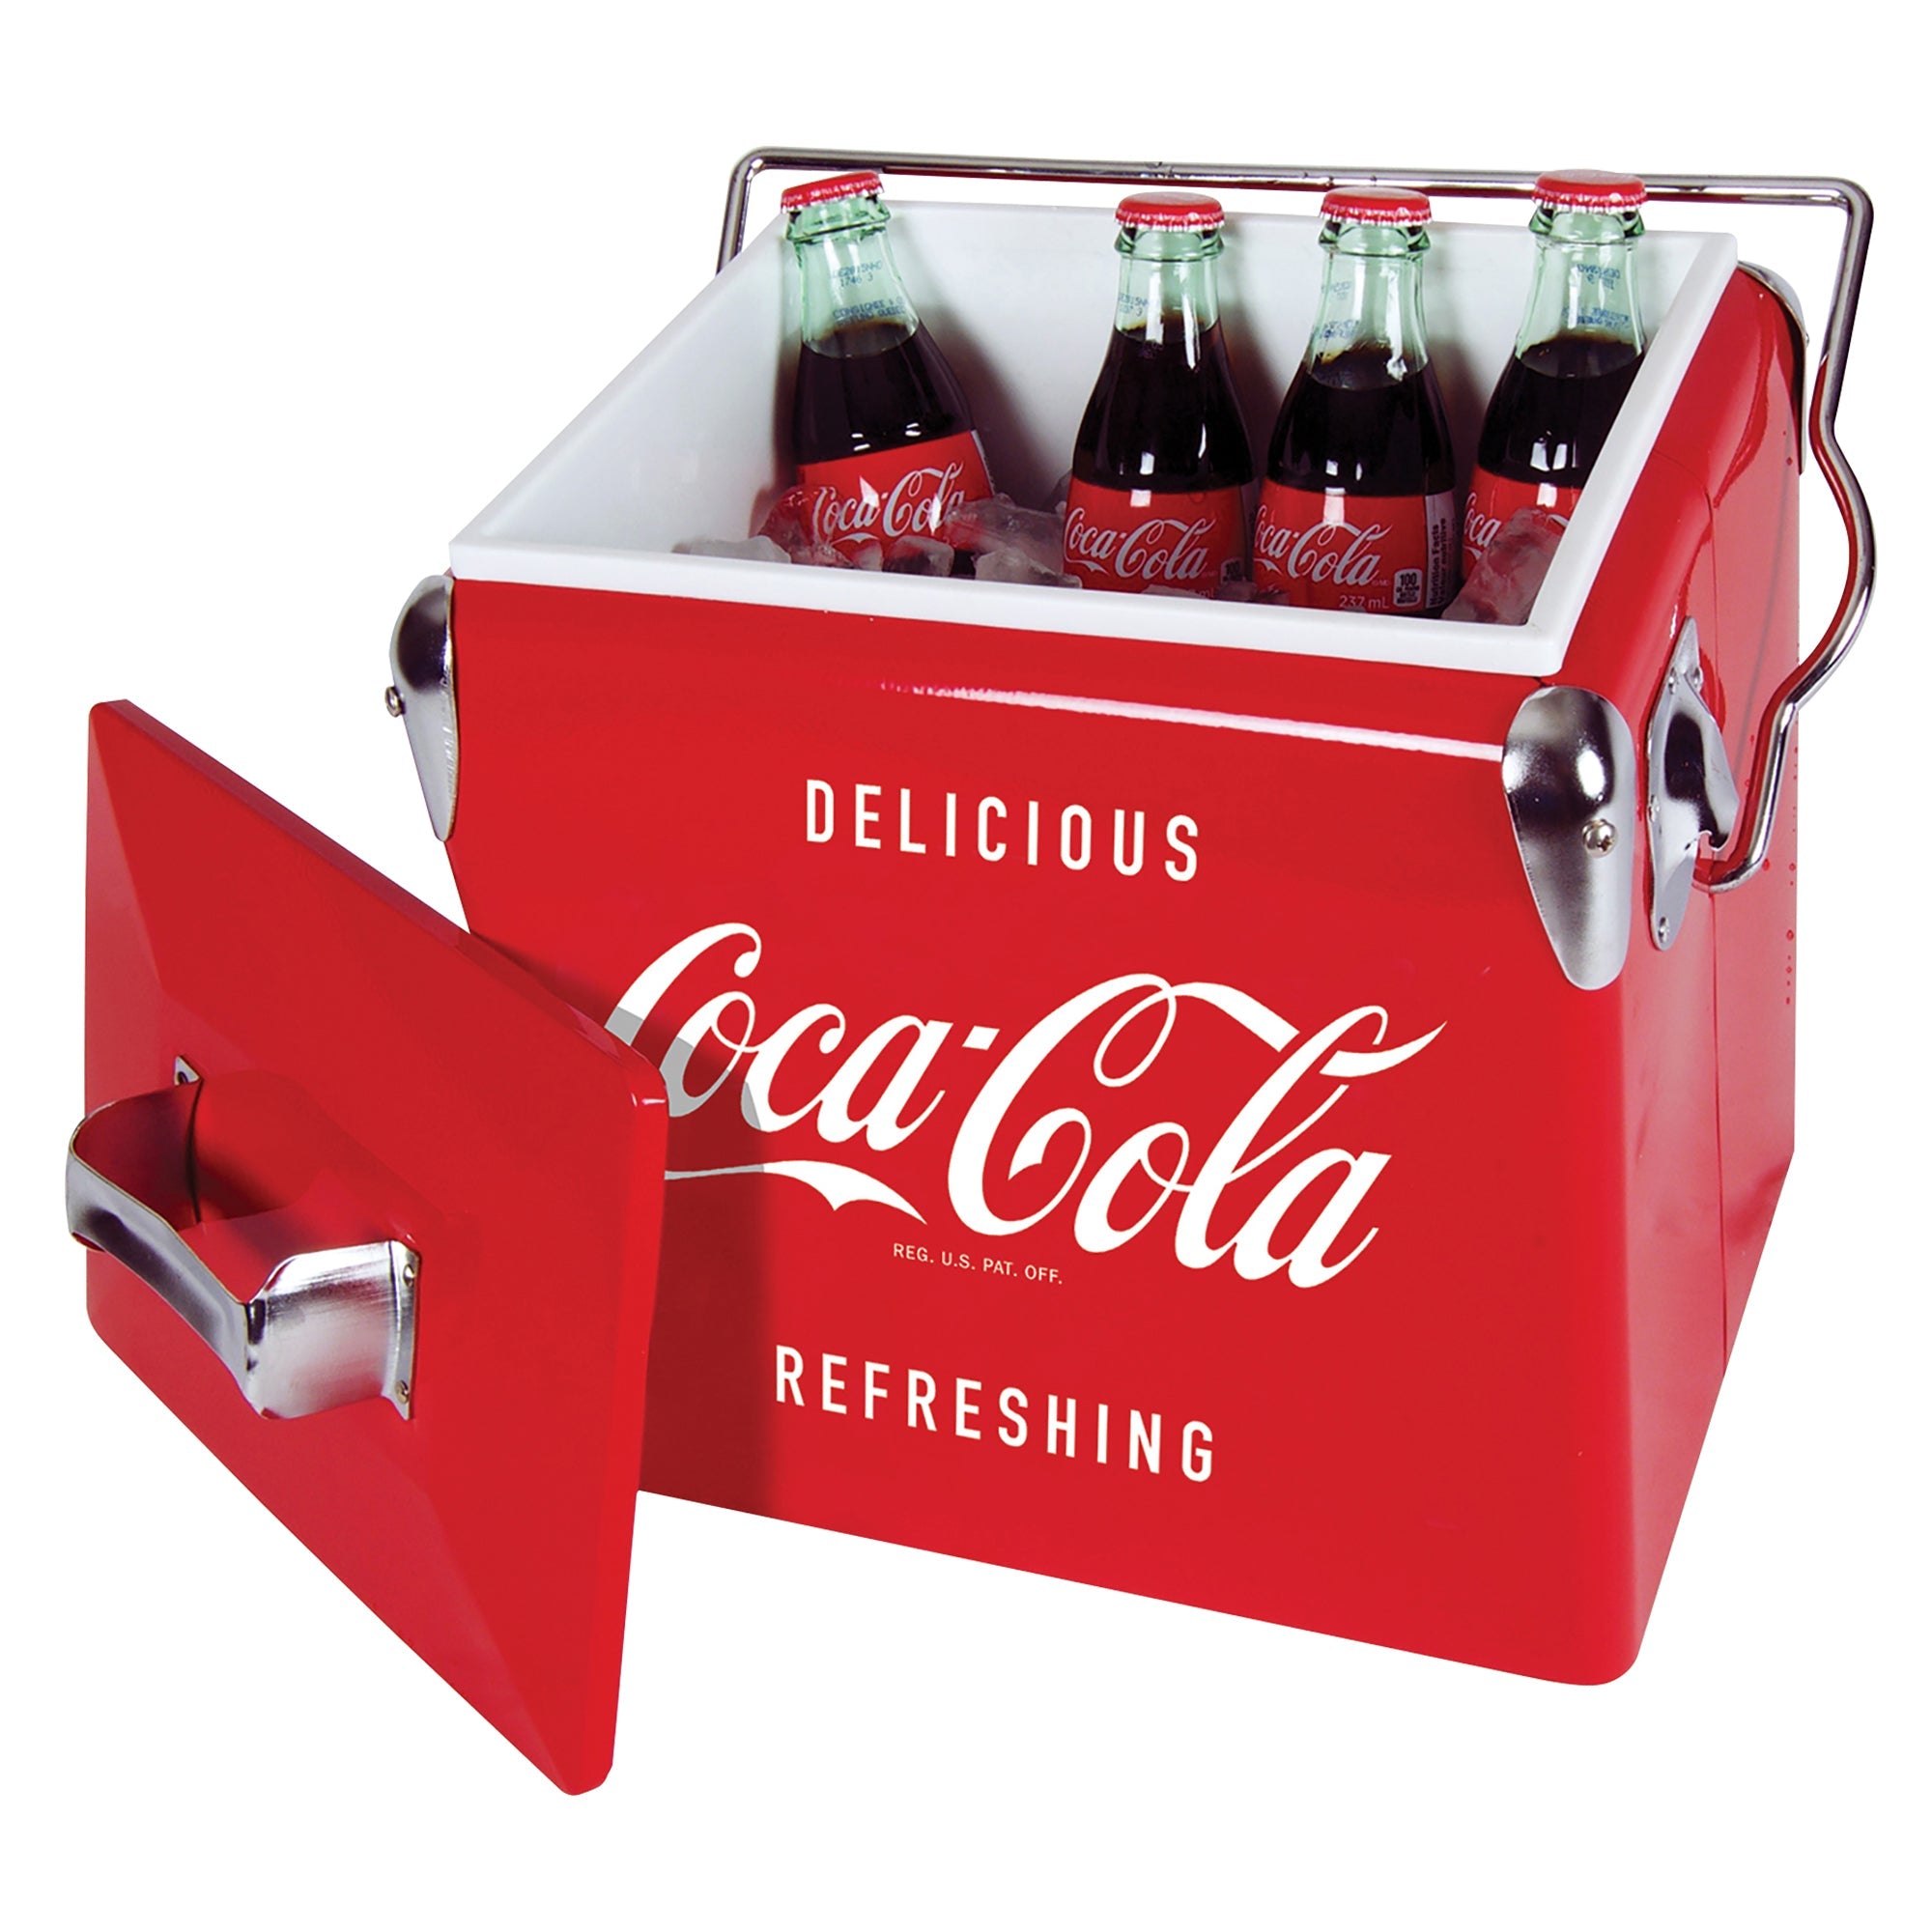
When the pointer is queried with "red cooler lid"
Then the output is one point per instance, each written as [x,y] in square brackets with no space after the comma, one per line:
[1590,189]
[833,187]
[1171,208]
[377,1217]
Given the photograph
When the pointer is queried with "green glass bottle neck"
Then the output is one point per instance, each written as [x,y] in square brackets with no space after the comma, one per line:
[1585,278]
[1166,286]
[1371,297]
[854,302]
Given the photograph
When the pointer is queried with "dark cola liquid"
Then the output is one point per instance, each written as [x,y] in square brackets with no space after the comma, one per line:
[1154,422]
[888,391]
[1553,409]
[1344,426]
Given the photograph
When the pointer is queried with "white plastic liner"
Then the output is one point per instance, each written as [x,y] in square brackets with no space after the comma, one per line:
[1021,299]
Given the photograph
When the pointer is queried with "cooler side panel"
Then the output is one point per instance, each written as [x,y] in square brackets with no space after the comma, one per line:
[1709,537]
[1145,1141]
[1756,513]
[1660,571]
[1674,1145]
[1756,937]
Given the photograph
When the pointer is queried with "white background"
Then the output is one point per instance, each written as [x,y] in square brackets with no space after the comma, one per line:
[286,295]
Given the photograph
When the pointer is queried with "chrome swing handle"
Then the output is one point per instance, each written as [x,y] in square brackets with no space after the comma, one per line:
[1744,854]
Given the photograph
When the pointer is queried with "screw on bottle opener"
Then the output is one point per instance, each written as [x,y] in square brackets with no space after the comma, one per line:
[1689,790]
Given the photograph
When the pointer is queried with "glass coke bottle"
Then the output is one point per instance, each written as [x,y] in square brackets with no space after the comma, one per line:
[1161,463]
[1576,353]
[881,429]
[1358,509]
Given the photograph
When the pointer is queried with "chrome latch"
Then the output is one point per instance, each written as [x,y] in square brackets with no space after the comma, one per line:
[422,664]
[1690,791]
[1569,777]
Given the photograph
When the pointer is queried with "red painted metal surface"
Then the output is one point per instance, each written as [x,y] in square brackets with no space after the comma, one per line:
[1430,1335]
[370,1072]
[1710,1084]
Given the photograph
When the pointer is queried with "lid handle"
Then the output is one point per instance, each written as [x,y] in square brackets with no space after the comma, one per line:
[325,1327]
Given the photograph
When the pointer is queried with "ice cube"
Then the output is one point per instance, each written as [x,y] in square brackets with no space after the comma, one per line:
[752,550]
[785,520]
[919,556]
[1508,575]
[1058,496]
[867,555]
[822,555]
[999,523]
[1012,564]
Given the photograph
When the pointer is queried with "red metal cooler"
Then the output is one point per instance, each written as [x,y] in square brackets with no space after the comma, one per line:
[1272,1109]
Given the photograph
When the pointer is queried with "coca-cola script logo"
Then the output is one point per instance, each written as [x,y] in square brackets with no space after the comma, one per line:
[1339,552]
[1158,550]
[1479,531]
[780,1075]
[917,503]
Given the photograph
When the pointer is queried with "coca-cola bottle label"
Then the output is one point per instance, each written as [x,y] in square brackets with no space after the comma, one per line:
[1495,499]
[1148,539]
[1334,551]
[853,501]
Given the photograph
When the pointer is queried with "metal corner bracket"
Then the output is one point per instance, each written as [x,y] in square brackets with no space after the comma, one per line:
[1569,775]
[422,693]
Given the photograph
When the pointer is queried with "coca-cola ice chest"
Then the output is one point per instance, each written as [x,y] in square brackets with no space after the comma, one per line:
[1277,1110]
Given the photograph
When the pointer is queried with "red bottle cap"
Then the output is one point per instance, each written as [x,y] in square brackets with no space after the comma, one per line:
[1383,207]
[1590,189]
[1171,208]
[833,187]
